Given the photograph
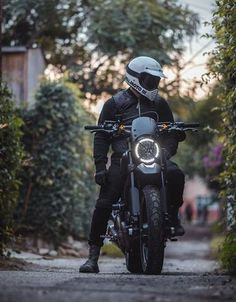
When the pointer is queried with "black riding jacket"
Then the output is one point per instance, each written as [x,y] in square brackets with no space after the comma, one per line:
[126,104]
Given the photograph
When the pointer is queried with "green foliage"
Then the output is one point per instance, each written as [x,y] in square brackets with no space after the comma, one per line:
[182,107]
[227,253]
[215,245]
[197,145]
[119,30]
[95,39]
[224,68]
[10,161]
[207,113]
[111,250]
[53,25]
[58,188]
[189,159]
[154,28]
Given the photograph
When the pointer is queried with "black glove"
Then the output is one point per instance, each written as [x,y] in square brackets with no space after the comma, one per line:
[101,177]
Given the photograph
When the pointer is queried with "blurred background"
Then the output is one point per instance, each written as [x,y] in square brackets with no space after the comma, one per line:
[62,59]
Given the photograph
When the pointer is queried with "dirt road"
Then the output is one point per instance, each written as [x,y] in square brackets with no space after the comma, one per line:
[188,275]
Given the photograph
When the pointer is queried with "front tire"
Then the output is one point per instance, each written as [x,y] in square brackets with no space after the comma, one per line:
[132,258]
[152,239]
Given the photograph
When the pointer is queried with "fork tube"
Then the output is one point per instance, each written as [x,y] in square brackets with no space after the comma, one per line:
[131,164]
[163,193]
[134,192]
[163,184]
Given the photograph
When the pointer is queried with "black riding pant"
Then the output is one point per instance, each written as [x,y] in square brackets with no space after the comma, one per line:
[110,194]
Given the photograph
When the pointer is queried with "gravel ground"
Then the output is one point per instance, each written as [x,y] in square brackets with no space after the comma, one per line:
[189,274]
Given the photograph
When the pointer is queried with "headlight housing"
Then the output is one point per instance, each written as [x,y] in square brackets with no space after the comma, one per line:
[146,150]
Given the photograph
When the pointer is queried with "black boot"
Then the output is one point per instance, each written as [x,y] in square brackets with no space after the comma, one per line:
[91,265]
[179,230]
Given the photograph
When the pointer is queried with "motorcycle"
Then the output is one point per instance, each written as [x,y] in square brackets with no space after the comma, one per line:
[139,224]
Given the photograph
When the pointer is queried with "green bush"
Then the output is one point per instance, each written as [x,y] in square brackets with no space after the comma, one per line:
[11,153]
[111,250]
[192,151]
[58,188]
[228,254]
[215,245]
[223,67]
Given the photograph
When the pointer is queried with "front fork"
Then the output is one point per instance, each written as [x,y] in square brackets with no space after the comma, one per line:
[170,231]
[134,194]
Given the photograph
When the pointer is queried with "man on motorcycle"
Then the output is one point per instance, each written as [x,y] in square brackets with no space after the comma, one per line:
[143,75]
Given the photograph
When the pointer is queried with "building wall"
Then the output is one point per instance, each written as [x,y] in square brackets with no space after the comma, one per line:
[22,69]
[35,70]
[14,73]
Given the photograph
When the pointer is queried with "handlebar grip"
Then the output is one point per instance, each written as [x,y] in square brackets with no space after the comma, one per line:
[192,125]
[92,127]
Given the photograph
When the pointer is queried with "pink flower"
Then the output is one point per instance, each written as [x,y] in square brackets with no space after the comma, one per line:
[214,158]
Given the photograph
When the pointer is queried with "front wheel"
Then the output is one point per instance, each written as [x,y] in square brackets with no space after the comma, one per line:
[132,258]
[152,239]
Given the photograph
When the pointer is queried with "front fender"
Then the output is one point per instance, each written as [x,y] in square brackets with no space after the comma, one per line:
[148,175]
[148,169]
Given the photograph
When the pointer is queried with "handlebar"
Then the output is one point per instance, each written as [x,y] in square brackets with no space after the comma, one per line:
[99,127]
[191,125]
[178,124]
[115,127]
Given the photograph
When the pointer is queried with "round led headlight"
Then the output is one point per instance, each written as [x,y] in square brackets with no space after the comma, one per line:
[146,150]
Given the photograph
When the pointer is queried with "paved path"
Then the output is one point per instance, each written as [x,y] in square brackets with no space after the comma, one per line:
[188,275]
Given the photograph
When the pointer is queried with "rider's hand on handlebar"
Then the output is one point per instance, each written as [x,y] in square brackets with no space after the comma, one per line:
[101,177]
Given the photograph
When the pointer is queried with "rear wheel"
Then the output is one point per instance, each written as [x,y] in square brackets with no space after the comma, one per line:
[152,239]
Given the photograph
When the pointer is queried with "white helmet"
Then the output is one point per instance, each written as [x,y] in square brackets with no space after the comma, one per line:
[143,74]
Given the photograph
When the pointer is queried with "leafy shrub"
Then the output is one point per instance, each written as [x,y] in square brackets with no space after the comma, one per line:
[198,145]
[58,187]
[111,250]
[11,153]
[215,245]
[228,254]
[223,67]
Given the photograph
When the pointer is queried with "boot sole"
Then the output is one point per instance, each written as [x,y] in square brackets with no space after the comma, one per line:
[88,270]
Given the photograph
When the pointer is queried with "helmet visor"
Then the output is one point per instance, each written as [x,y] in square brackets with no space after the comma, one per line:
[148,81]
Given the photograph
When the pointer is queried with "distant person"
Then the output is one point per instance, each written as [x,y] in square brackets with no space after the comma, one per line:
[205,214]
[199,212]
[189,213]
